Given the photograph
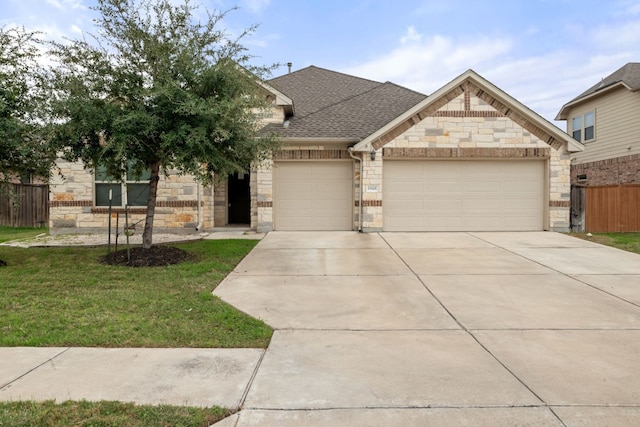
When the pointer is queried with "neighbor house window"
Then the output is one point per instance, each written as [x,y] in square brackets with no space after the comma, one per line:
[133,192]
[583,125]
[589,125]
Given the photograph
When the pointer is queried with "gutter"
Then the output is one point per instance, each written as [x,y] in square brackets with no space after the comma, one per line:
[350,149]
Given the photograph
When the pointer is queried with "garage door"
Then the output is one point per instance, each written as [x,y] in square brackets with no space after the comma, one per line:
[313,195]
[463,195]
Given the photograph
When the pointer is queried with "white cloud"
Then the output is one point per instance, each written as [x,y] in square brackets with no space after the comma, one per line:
[543,82]
[256,6]
[63,4]
[425,64]
[412,36]
[622,36]
[55,3]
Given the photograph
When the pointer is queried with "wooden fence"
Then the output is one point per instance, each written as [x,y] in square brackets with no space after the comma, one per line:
[27,207]
[612,209]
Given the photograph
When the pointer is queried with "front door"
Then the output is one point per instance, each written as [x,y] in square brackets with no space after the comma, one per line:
[239,199]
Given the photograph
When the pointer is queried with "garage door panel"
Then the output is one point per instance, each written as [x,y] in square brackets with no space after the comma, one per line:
[313,195]
[463,195]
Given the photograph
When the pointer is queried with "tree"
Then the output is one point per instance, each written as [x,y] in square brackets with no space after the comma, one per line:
[157,90]
[23,146]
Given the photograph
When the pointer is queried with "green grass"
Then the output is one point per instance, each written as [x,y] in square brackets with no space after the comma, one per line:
[15,233]
[83,413]
[626,241]
[62,296]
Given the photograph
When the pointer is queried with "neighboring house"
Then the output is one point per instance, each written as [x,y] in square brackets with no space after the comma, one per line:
[363,155]
[606,119]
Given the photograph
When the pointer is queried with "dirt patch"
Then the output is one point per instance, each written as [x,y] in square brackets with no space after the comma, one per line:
[156,256]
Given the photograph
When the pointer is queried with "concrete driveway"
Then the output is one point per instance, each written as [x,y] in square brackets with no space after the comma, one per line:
[441,329]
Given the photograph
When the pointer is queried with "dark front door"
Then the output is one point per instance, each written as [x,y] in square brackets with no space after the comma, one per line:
[239,197]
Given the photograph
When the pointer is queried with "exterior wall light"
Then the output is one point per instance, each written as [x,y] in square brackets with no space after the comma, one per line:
[372,153]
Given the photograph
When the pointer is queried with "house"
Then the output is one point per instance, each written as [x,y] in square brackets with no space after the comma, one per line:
[363,155]
[606,175]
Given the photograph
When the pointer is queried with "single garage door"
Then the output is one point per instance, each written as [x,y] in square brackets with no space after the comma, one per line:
[313,195]
[458,195]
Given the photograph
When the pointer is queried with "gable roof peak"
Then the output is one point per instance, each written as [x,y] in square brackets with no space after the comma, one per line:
[627,76]
[479,86]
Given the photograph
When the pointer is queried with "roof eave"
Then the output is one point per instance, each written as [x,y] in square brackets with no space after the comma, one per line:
[282,100]
[317,140]
[564,111]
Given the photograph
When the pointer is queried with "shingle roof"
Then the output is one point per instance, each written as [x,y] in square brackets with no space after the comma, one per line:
[329,104]
[629,75]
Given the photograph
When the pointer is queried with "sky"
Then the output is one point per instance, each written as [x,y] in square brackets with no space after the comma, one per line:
[541,52]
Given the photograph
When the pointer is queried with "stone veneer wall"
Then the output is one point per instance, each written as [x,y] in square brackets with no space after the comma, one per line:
[72,203]
[264,199]
[467,127]
[616,171]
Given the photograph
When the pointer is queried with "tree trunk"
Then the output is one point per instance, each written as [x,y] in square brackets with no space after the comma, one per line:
[147,235]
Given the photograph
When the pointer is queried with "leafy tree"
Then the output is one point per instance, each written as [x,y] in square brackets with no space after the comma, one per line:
[23,147]
[155,89]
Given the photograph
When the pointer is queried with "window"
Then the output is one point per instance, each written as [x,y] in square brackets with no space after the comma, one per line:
[576,126]
[589,124]
[134,191]
[583,125]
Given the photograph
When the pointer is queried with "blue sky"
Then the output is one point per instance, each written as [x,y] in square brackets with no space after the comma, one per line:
[542,52]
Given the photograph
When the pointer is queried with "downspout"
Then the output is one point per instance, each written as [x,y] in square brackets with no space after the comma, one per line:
[199,191]
[350,149]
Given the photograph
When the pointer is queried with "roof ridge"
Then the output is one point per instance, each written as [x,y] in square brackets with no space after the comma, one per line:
[405,88]
[329,71]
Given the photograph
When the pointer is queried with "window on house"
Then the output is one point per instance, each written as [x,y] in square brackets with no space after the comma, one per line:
[576,127]
[133,192]
[589,124]
[583,125]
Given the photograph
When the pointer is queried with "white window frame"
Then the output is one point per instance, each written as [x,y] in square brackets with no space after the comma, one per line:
[582,128]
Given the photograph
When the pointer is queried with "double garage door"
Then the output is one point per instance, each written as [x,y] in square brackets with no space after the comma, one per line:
[418,195]
[457,195]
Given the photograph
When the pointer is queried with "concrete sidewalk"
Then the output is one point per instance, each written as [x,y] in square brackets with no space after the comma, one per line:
[193,377]
[495,329]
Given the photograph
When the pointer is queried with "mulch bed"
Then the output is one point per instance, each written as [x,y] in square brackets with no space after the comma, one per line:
[156,256]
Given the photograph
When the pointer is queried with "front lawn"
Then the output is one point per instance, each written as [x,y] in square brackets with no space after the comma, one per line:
[16,233]
[63,296]
[626,241]
[73,413]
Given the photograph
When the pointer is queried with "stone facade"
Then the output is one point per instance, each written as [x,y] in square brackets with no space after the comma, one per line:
[468,128]
[461,125]
[72,203]
[616,171]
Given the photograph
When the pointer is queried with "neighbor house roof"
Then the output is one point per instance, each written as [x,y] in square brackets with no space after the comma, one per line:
[628,76]
[337,106]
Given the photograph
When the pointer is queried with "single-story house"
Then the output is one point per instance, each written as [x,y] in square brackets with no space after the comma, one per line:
[358,154]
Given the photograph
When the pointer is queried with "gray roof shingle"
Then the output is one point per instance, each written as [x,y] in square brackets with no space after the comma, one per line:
[330,105]
[628,74]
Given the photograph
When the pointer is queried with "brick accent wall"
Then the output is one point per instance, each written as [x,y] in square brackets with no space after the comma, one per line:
[311,154]
[466,153]
[619,170]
